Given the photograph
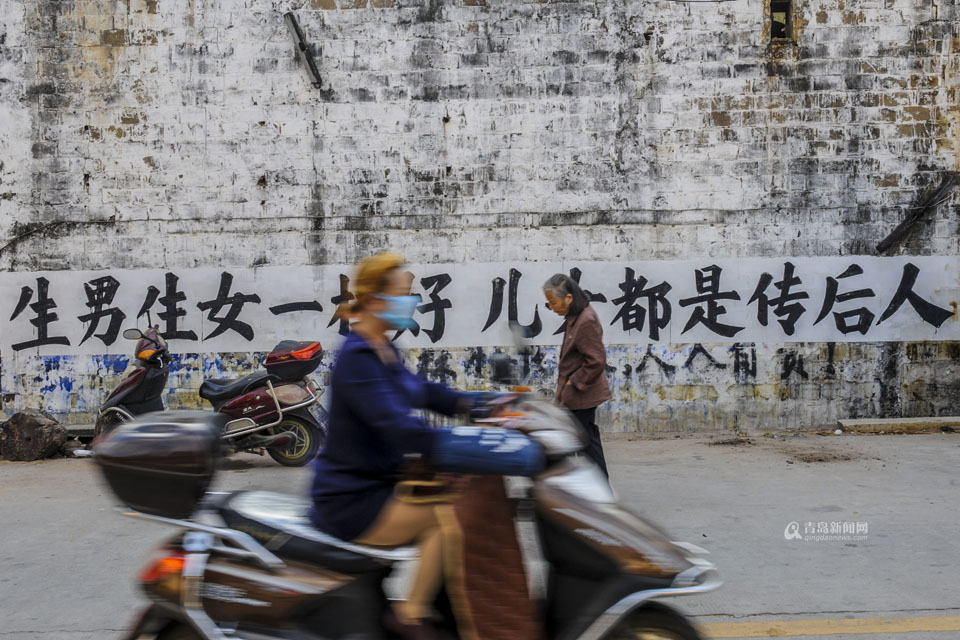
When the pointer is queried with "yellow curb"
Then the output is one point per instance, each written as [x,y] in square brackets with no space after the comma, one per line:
[789,628]
[906,425]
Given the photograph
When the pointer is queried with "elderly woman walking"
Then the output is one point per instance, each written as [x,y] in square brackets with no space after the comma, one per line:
[582,380]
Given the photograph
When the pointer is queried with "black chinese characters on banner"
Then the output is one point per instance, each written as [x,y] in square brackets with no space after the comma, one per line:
[642,305]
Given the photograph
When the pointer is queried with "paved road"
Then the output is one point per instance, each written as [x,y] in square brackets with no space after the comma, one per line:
[69,560]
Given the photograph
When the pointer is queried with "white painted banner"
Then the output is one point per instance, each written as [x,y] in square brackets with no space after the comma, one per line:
[842,299]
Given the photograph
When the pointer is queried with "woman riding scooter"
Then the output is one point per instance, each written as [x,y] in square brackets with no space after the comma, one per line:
[602,563]
[372,428]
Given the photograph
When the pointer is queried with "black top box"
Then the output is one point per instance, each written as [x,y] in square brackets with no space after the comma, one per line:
[163,462]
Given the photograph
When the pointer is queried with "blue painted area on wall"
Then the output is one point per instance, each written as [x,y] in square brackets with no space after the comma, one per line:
[656,388]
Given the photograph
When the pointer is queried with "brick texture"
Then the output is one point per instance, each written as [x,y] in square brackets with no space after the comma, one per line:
[445,128]
[148,133]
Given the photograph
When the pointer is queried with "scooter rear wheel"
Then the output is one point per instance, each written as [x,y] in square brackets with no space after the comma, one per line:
[655,621]
[307,440]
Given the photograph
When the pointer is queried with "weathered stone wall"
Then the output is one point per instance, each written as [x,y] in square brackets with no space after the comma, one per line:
[680,388]
[179,134]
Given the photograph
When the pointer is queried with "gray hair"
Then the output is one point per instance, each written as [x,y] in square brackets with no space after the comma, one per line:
[562,285]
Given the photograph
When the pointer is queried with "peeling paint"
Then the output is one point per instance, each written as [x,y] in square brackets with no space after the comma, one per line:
[644,398]
[149,134]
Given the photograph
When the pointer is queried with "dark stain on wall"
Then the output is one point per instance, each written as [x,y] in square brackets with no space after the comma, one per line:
[890,379]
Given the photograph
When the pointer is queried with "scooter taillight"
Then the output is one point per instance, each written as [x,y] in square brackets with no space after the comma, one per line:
[171,563]
[307,353]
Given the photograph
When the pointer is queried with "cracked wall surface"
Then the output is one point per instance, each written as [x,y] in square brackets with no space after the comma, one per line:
[185,133]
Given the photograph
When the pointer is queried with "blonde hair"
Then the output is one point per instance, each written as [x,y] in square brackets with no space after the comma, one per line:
[370,278]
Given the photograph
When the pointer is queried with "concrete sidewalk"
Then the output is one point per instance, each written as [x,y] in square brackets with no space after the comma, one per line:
[70,560]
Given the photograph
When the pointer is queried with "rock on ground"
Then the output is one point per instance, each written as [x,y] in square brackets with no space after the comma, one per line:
[31,435]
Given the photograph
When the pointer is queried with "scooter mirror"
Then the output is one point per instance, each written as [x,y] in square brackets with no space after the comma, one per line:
[521,337]
[132,334]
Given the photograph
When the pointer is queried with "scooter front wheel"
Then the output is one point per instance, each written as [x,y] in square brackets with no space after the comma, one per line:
[107,422]
[178,632]
[655,621]
[304,447]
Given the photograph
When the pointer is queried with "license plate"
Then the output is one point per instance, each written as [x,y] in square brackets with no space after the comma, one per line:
[320,414]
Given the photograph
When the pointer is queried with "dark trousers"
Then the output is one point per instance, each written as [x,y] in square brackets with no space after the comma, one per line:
[594,449]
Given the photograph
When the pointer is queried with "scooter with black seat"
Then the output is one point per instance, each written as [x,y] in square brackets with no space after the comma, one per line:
[275,410]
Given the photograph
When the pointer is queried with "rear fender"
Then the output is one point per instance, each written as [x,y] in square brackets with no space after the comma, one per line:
[304,414]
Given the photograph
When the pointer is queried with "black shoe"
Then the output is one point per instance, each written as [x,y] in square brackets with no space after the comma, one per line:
[423,630]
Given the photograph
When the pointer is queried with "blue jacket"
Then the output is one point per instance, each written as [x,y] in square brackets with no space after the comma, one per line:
[371,428]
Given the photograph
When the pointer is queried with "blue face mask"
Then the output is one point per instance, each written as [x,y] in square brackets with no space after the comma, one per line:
[399,311]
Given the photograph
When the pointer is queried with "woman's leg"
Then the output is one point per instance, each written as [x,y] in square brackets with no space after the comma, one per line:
[594,448]
[401,523]
[426,584]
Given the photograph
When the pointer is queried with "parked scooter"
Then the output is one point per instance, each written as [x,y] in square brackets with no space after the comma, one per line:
[250,565]
[277,418]
[275,410]
[141,391]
